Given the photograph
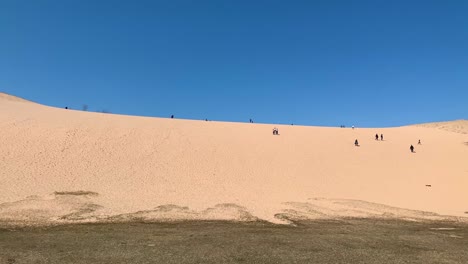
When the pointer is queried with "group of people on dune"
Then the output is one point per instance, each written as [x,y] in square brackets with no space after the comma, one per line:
[275,131]
[356,142]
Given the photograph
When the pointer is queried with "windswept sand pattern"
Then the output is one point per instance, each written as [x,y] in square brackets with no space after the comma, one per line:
[320,208]
[458,126]
[80,207]
[53,209]
[231,212]
[83,165]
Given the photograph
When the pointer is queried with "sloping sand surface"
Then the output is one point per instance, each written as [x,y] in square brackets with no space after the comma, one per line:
[65,165]
[7,97]
[458,126]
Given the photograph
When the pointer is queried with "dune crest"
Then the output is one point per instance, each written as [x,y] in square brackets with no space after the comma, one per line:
[82,165]
[11,98]
[457,126]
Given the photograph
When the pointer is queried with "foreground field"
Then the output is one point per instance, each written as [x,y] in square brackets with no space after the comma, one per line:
[344,241]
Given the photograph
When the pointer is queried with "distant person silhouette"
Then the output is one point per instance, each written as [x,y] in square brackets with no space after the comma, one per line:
[411,148]
[172,116]
[419,142]
[381,137]
[275,131]
[356,143]
[66,107]
[352,127]
[376,136]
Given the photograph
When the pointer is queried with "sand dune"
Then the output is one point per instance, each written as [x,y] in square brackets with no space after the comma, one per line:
[7,97]
[62,165]
[458,126]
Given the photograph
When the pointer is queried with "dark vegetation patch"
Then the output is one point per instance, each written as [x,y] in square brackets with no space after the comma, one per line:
[77,193]
[332,241]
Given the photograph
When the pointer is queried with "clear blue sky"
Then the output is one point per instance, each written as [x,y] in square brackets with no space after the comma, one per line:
[368,63]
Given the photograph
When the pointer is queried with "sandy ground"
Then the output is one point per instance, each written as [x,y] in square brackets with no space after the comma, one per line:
[62,165]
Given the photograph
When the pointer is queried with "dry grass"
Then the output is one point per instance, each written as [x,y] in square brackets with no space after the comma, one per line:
[346,241]
[77,193]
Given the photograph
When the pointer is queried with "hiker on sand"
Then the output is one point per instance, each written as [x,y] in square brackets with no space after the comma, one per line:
[411,148]
[419,142]
[376,136]
[356,143]
[381,137]
[275,131]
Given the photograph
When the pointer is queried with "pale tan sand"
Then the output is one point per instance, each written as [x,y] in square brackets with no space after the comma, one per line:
[458,126]
[126,167]
[8,97]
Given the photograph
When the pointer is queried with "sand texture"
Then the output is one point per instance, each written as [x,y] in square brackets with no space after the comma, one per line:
[60,166]
[458,126]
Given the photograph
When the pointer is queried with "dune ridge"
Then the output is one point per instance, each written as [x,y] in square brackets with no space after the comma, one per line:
[66,166]
[457,126]
[8,97]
